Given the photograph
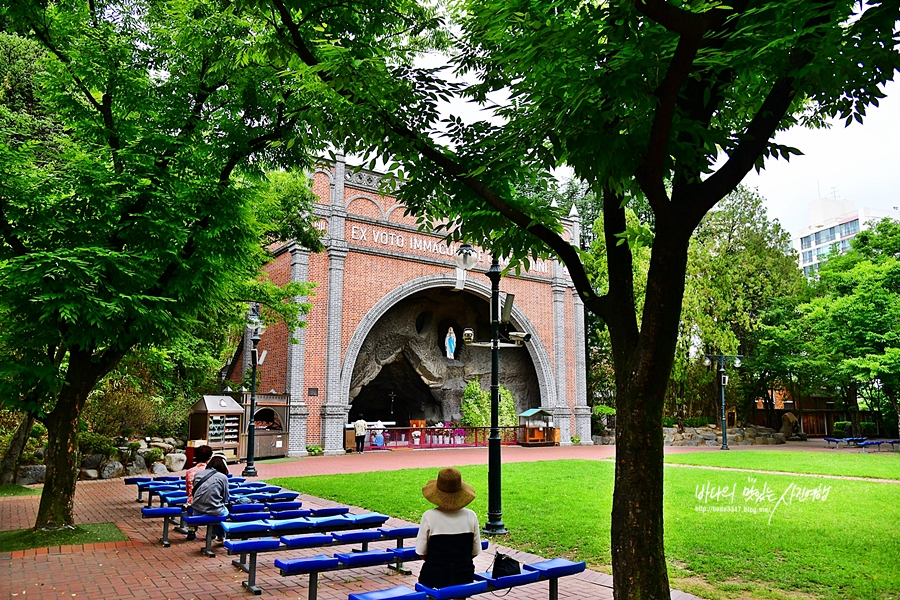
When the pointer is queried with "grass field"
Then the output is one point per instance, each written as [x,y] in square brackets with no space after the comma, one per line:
[729,535]
[849,461]
[18,490]
[23,539]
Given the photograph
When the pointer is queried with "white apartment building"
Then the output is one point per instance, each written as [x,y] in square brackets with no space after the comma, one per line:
[833,224]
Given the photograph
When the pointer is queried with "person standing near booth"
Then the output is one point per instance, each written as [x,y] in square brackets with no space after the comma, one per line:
[359,428]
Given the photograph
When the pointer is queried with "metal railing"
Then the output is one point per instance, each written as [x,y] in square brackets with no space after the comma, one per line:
[437,437]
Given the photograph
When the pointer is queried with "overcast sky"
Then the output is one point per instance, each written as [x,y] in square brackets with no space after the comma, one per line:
[858,163]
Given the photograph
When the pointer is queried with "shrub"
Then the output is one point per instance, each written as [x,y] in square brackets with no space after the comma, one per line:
[38,431]
[867,428]
[699,421]
[842,428]
[670,421]
[93,443]
[575,439]
[151,430]
[476,405]
[314,450]
[153,455]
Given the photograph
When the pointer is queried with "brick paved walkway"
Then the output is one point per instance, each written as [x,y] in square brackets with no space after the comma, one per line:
[142,568]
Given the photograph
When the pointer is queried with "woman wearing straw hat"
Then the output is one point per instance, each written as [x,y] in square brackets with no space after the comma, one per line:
[449,534]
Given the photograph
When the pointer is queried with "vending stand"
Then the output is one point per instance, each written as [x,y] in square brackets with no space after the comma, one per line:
[217,419]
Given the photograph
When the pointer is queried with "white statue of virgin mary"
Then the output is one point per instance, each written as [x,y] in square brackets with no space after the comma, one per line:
[450,343]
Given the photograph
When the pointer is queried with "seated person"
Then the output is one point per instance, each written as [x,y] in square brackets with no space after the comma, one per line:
[201,455]
[211,493]
[449,535]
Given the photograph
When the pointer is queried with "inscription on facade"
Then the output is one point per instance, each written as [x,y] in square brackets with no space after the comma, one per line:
[421,244]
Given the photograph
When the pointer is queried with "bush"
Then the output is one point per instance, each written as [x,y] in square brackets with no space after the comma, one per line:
[867,428]
[38,431]
[699,421]
[314,450]
[841,428]
[670,421]
[153,455]
[93,443]
[151,430]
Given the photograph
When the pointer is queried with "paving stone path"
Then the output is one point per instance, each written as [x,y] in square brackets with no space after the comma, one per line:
[142,568]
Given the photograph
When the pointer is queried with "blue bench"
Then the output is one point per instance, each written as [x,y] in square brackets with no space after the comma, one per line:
[173,513]
[835,441]
[249,538]
[892,442]
[866,444]
[549,570]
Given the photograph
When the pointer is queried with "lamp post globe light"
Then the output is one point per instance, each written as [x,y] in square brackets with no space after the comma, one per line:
[721,360]
[467,258]
[253,318]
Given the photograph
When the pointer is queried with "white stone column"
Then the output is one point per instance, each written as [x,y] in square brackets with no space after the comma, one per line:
[561,413]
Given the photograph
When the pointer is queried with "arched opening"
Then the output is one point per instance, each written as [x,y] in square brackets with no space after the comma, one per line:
[406,354]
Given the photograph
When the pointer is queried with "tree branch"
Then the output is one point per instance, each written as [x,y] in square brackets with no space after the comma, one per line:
[677,20]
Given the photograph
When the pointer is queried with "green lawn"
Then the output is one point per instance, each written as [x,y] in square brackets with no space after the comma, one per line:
[23,539]
[842,546]
[18,490]
[850,461]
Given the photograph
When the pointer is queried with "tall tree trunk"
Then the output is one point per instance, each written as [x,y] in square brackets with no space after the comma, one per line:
[642,370]
[10,463]
[84,371]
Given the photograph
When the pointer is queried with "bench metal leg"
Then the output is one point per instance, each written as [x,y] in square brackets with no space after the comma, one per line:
[398,566]
[250,584]
[165,537]
[207,549]
[150,499]
[140,497]
[554,588]
[242,563]
[313,586]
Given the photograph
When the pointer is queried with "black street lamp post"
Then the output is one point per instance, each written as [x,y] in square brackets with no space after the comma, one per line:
[467,258]
[720,360]
[250,468]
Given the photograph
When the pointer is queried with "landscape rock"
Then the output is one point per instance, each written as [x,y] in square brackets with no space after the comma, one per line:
[166,448]
[175,461]
[31,474]
[111,470]
[139,463]
[89,474]
[92,461]
[134,470]
[158,469]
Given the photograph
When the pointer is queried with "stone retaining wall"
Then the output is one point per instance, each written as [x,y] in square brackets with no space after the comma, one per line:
[712,436]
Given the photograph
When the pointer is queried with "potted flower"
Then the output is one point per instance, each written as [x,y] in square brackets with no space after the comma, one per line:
[416,434]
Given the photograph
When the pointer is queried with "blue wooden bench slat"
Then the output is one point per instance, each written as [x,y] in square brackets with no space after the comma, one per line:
[243,508]
[136,480]
[500,583]
[406,553]
[556,567]
[307,540]
[280,506]
[245,527]
[251,516]
[450,592]
[299,566]
[285,496]
[289,514]
[330,511]
[280,524]
[352,537]
[366,559]
[400,532]
[394,593]
[253,545]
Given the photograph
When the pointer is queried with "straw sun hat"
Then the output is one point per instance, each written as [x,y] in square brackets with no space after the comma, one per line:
[448,491]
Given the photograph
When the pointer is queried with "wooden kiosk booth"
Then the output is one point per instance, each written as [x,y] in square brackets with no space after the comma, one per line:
[536,428]
[218,420]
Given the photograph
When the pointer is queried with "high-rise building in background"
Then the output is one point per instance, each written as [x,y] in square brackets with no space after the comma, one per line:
[833,223]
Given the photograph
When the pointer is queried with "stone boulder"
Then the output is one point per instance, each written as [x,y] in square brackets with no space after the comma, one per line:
[139,463]
[92,461]
[111,470]
[31,474]
[779,438]
[88,474]
[158,469]
[134,471]
[166,448]
[175,461]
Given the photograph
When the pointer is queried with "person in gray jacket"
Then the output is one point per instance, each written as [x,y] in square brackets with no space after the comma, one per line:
[210,495]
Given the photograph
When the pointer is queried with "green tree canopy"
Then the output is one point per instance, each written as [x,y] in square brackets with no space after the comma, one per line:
[122,216]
